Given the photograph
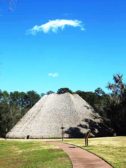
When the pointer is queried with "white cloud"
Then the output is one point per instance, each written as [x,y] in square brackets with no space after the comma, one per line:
[53,75]
[55,25]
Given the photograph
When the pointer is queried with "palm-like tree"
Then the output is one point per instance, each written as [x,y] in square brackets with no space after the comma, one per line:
[118,88]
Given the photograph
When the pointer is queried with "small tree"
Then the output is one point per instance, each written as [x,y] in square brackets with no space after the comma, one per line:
[64,90]
[49,92]
[99,91]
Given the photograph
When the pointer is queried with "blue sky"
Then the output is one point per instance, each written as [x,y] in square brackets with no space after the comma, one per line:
[78,44]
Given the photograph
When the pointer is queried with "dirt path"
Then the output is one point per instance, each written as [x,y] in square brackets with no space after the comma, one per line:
[81,158]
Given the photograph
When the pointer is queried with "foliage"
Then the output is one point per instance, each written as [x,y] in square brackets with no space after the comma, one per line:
[99,92]
[116,109]
[49,92]
[13,106]
[97,100]
[64,90]
[117,88]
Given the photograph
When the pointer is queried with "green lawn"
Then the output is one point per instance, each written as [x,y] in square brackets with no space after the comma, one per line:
[112,149]
[31,154]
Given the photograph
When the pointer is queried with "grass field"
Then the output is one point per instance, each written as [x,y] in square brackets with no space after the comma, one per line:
[31,154]
[112,149]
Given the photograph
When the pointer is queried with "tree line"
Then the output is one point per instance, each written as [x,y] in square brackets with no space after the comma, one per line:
[111,106]
[13,106]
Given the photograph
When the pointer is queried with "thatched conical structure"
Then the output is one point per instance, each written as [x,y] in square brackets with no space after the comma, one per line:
[51,112]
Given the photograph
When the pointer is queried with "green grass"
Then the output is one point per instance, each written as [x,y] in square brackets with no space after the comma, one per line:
[112,149]
[31,154]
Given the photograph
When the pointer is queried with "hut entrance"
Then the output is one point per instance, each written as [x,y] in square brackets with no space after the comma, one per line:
[28,136]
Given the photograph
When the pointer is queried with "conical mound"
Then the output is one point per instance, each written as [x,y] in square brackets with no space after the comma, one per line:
[52,112]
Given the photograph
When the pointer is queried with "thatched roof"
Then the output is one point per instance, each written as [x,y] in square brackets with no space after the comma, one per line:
[51,112]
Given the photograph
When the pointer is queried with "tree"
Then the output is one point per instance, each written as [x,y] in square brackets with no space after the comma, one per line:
[13,106]
[49,92]
[32,98]
[117,88]
[5,119]
[116,109]
[64,90]
[99,91]
[97,100]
